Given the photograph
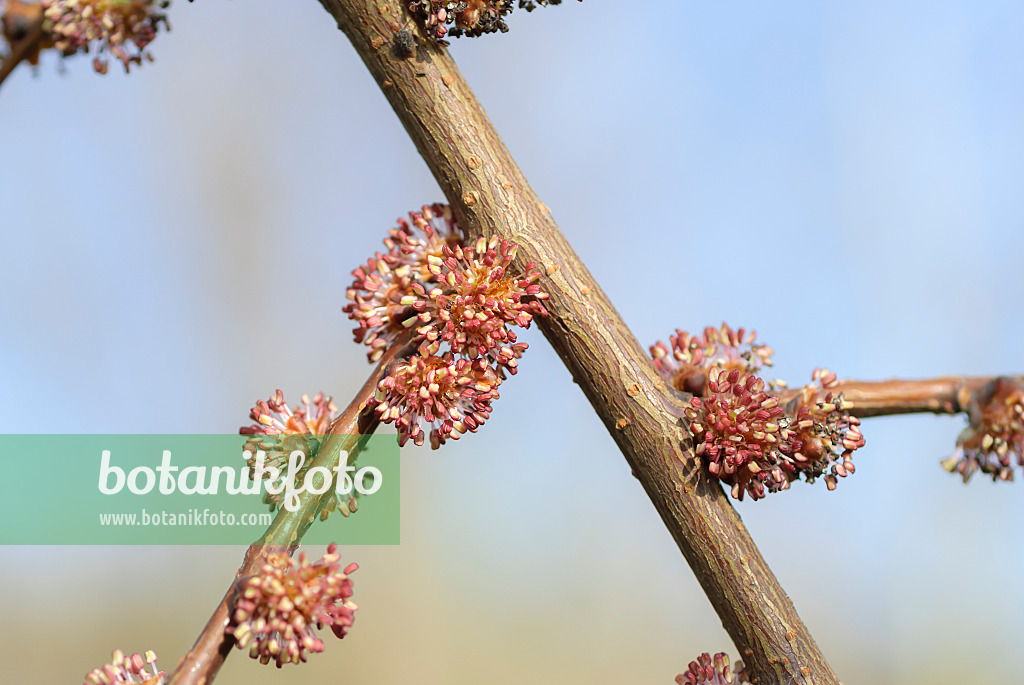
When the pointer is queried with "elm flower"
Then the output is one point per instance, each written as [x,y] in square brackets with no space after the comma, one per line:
[753,444]
[994,439]
[476,300]
[135,669]
[685,361]
[391,283]
[821,435]
[713,671]
[448,396]
[278,611]
[122,28]
[738,427]
[279,429]
[470,17]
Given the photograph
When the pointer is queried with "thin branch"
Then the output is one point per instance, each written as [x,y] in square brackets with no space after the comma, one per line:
[347,433]
[21,49]
[490,195]
[947,395]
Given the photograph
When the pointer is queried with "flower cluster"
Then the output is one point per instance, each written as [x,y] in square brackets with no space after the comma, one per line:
[470,17]
[747,435]
[127,669]
[708,670]
[460,305]
[122,28]
[279,610]
[684,363]
[993,443]
[279,430]
[450,395]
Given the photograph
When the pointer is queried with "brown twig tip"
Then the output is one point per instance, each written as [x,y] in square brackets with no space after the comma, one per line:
[993,442]
[135,669]
[469,18]
[708,670]
[278,611]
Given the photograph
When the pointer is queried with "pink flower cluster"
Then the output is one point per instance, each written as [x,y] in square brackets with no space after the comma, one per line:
[743,433]
[685,361]
[279,610]
[470,17]
[135,669]
[122,28]
[993,443]
[708,670]
[279,430]
[461,304]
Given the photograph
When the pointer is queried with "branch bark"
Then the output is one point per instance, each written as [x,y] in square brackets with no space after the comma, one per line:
[489,195]
[20,50]
[946,395]
[347,433]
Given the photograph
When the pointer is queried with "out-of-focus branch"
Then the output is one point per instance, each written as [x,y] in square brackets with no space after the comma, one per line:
[946,395]
[491,196]
[348,433]
[31,35]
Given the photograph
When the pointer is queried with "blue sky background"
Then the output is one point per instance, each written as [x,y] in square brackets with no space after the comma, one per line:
[845,179]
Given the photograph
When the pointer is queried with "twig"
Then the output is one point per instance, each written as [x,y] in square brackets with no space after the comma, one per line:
[947,395]
[21,49]
[348,433]
[490,195]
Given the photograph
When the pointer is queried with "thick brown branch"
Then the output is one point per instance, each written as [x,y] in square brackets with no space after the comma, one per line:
[347,433]
[490,195]
[947,395]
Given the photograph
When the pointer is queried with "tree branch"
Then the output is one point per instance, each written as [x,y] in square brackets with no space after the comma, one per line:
[347,433]
[20,50]
[490,195]
[947,395]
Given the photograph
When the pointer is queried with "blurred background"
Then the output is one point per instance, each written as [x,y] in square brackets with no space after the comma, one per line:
[845,179]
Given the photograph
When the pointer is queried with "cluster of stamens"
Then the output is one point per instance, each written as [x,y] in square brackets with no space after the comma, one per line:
[279,610]
[278,430]
[458,304]
[685,361]
[450,396]
[993,442]
[708,670]
[469,17]
[744,433]
[121,28]
[123,669]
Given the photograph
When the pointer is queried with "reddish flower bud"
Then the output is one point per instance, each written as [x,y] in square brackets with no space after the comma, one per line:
[993,443]
[713,671]
[279,610]
[685,361]
[136,669]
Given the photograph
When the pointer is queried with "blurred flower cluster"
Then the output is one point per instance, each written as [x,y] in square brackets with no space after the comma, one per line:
[135,669]
[708,670]
[119,28]
[746,435]
[993,442]
[279,610]
[459,305]
[278,430]
[469,17]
